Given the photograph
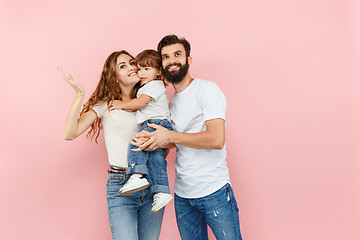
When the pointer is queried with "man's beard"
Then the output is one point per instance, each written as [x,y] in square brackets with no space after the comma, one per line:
[176,77]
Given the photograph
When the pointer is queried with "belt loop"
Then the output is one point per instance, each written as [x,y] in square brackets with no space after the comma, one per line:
[116,170]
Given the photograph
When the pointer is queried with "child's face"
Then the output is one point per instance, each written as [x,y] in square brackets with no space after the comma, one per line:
[147,74]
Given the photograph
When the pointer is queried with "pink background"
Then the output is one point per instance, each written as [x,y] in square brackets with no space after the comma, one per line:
[289,70]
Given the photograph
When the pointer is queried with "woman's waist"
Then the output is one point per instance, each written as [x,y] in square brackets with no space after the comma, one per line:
[113,169]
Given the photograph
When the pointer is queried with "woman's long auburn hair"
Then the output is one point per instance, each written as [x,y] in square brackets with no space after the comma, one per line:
[107,90]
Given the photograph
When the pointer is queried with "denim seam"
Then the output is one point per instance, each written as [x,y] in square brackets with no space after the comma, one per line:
[235,209]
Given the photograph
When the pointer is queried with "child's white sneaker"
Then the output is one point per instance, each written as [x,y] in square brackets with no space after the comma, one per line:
[135,183]
[160,200]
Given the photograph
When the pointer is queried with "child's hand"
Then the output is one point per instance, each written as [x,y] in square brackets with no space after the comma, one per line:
[116,104]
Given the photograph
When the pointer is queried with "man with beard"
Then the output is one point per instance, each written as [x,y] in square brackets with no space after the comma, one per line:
[203,194]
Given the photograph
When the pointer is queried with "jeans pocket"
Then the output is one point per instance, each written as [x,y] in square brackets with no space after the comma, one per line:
[116,180]
[113,185]
[231,198]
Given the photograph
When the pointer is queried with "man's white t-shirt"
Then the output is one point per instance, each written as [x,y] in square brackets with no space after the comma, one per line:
[199,172]
[119,128]
[158,106]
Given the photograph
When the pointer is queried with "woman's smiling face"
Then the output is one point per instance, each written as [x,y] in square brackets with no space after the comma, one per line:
[126,70]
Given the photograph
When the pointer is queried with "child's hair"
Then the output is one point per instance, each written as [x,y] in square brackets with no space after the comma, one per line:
[150,58]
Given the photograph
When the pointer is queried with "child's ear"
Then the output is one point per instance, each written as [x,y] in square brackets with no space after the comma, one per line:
[160,76]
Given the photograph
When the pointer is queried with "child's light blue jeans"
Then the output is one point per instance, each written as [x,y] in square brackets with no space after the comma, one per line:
[151,163]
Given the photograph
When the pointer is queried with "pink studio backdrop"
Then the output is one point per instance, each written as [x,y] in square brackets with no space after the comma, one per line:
[289,70]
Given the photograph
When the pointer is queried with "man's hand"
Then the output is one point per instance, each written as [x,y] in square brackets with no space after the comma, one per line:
[138,141]
[157,139]
[116,104]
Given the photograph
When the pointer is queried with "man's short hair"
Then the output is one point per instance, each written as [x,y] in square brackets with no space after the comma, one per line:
[173,39]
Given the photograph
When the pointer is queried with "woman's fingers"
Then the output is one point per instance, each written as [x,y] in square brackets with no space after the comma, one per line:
[150,145]
[137,142]
[78,88]
[68,78]
[145,141]
[144,134]
[146,144]
[136,149]
[153,146]
[62,73]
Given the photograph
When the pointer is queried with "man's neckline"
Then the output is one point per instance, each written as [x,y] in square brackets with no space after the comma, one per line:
[188,86]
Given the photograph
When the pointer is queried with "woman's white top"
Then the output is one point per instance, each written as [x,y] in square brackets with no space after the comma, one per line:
[119,128]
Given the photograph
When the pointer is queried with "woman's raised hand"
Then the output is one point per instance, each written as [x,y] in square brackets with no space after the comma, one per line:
[76,86]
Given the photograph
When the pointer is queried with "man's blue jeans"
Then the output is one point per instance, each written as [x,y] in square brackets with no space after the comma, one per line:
[151,163]
[130,217]
[218,210]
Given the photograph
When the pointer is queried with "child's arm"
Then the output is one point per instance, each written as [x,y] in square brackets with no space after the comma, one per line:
[135,103]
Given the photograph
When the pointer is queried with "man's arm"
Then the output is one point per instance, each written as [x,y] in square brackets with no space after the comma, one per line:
[212,138]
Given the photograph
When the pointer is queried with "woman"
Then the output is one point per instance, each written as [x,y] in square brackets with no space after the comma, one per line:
[130,216]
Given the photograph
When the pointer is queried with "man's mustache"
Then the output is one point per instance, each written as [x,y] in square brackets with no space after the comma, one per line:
[173,64]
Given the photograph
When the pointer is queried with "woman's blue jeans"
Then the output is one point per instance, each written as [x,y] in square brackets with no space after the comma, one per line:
[151,163]
[130,217]
[218,210]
